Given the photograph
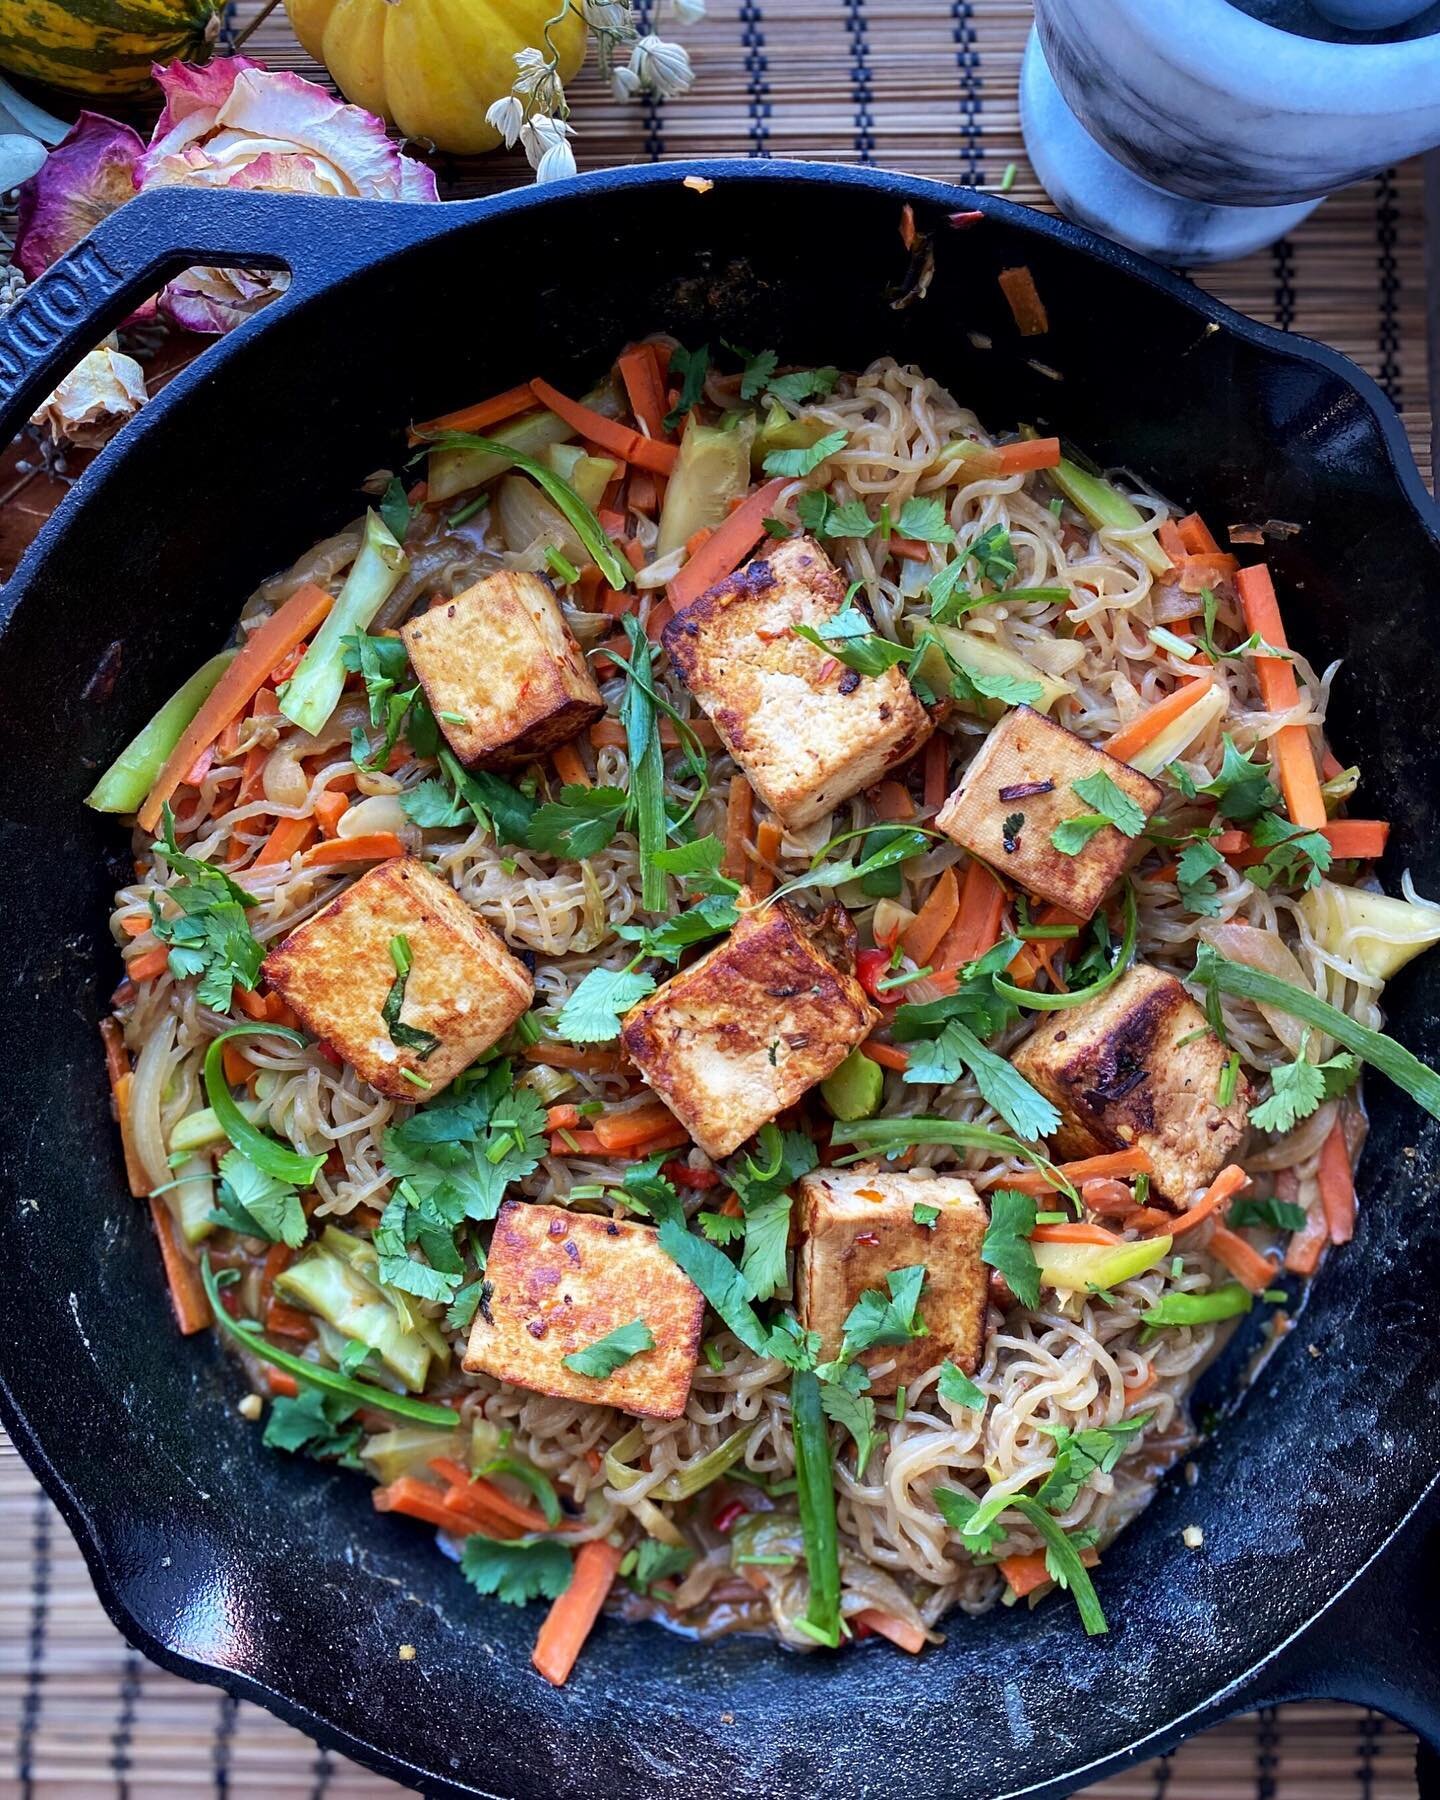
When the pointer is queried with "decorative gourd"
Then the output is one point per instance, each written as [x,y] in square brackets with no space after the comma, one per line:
[100,47]
[433,67]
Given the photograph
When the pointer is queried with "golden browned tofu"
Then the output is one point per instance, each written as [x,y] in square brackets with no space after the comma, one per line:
[503,675]
[557,1282]
[1019,788]
[464,987]
[806,730]
[857,1225]
[744,1032]
[1123,1076]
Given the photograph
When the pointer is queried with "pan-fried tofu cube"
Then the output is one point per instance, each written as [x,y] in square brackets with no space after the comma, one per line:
[744,1032]
[464,988]
[1124,1076]
[503,675]
[806,730]
[857,1226]
[1020,787]
[557,1282]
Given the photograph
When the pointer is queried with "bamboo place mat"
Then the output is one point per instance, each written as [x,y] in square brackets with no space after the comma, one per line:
[923,85]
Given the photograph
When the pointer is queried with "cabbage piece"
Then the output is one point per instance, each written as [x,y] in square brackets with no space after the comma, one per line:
[409,1450]
[981,655]
[456,470]
[1376,932]
[712,469]
[331,1286]
[588,475]
[530,522]
[1177,737]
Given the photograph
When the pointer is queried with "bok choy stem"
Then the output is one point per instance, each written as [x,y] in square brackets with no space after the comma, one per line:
[124,785]
[313,691]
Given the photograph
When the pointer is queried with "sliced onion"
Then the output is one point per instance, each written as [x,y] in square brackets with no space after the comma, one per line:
[1262,950]
[380,812]
[527,518]
[656,574]
[152,1071]
[284,780]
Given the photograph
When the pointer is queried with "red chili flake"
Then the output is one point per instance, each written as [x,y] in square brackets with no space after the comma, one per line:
[537,1328]
[726,1515]
[869,1238]
[329,1052]
[962,221]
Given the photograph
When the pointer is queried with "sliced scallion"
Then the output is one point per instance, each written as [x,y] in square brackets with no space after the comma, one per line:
[815,1480]
[269,1156]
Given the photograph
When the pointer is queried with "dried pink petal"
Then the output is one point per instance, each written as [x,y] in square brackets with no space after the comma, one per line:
[85,178]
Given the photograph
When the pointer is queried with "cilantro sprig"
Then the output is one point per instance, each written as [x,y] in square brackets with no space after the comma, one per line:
[1298,1088]
[210,936]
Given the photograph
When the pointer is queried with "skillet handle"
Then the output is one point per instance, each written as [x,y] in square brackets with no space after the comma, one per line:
[1378,1645]
[65,313]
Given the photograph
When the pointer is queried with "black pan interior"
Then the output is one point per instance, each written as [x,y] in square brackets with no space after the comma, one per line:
[219,1553]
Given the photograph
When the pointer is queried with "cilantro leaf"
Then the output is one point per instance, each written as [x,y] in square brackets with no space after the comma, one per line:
[1297,1088]
[971,685]
[764,1195]
[256,1204]
[727,1291]
[1063,1564]
[383,663]
[1024,1109]
[432,806]
[592,1013]
[611,1352]
[993,555]
[877,1319]
[668,940]
[317,1424]
[854,1412]
[802,384]
[1242,789]
[1297,857]
[461,1310]
[527,1569]
[692,366]
[397,1230]
[721,1228]
[579,824]
[462,1152]
[956,1387]
[852,640]
[958,1507]
[922,517]
[394,509]
[697,865]
[1071,836]
[806,461]
[210,937]
[924,1215]
[1081,1454]
[1278,1215]
[1195,878]
[655,1562]
[759,367]
[1100,793]
[1007,1249]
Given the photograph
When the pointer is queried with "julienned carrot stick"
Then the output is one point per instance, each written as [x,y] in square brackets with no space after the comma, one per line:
[476,418]
[1074,1231]
[569,767]
[1196,573]
[1136,1390]
[767,849]
[1290,747]
[1019,458]
[727,546]
[419,1499]
[739,815]
[288,839]
[1302,1254]
[375,846]
[623,1130]
[933,920]
[1120,1165]
[899,1631]
[1337,1186]
[282,1383]
[571,1056]
[571,1617]
[937,771]
[609,734]
[1026,1573]
[187,1294]
[1023,298]
[1229,1182]
[640,372]
[889,1056]
[480,1496]
[1360,839]
[148,964]
[624,441]
[1167,533]
[890,800]
[562,1118]
[1139,732]
[329,807]
[1243,1260]
[976,927]
[1196,537]
[264,647]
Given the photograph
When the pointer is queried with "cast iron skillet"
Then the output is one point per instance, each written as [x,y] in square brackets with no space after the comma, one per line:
[231,1564]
